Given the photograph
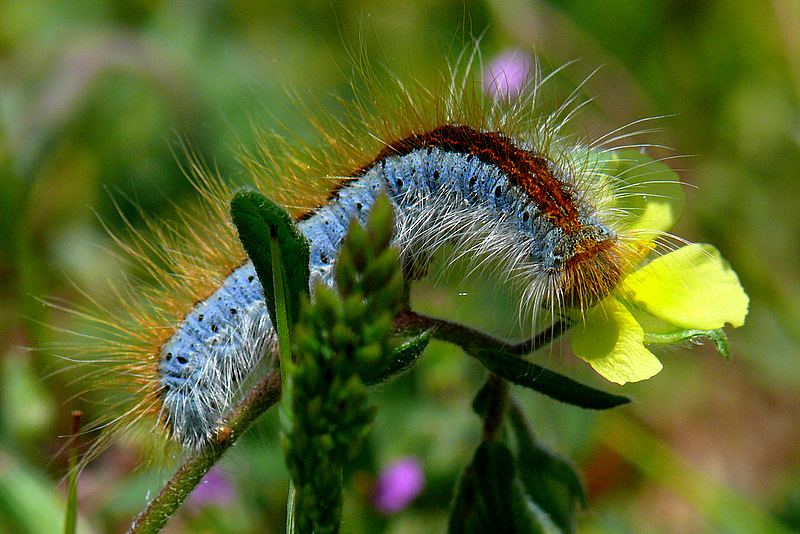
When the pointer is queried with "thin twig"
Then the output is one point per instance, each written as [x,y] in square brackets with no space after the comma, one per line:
[267,392]
[264,395]
[412,323]
[495,415]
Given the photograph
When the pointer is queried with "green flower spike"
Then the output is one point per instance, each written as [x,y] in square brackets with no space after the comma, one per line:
[688,293]
[340,342]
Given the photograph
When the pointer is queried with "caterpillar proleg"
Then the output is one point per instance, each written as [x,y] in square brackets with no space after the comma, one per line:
[493,180]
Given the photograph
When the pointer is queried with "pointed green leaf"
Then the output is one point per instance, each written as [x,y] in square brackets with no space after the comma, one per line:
[381,222]
[550,481]
[403,358]
[255,218]
[659,332]
[559,387]
[717,337]
[463,516]
[481,400]
[499,493]
[28,500]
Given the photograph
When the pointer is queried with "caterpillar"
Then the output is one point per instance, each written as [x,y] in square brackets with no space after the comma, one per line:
[477,176]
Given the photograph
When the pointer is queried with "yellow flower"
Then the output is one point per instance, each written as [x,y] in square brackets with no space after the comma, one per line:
[684,294]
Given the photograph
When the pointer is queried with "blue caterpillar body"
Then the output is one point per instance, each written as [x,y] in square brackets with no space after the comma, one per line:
[441,196]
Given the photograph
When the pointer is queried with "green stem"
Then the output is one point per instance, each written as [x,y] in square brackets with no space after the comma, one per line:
[263,396]
[282,321]
[412,323]
[267,392]
[503,359]
[495,415]
[71,517]
[290,508]
[284,351]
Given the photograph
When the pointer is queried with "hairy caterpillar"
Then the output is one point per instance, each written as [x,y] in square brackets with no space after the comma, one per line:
[492,180]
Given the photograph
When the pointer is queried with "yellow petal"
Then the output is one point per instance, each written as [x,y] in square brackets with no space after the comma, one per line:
[649,190]
[692,287]
[611,341]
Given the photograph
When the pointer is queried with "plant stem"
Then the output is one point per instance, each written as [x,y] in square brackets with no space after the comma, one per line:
[268,391]
[282,322]
[264,395]
[412,323]
[71,517]
[290,508]
[495,415]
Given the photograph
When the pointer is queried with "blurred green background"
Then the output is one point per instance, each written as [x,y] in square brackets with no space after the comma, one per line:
[96,97]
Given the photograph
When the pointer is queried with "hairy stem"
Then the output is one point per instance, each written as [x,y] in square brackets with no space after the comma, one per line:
[282,321]
[469,339]
[268,391]
[263,396]
[71,517]
[496,408]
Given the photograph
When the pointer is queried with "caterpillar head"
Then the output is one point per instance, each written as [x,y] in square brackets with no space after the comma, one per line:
[584,266]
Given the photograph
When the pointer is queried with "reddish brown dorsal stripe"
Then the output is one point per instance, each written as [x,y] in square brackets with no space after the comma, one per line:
[525,170]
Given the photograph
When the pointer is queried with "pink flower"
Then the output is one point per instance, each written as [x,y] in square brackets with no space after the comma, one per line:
[507,73]
[397,485]
[215,489]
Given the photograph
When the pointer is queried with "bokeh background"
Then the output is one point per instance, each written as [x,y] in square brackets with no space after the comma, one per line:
[98,98]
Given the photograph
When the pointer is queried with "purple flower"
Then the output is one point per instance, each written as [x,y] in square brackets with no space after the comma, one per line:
[215,489]
[507,73]
[397,485]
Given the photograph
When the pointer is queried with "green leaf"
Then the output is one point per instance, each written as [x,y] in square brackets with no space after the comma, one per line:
[256,217]
[612,342]
[499,493]
[403,358]
[717,337]
[550,481]
[489,496]
[559,387]
[463,519]
[381,222]
[692,287]
[28,500]
[481,400]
